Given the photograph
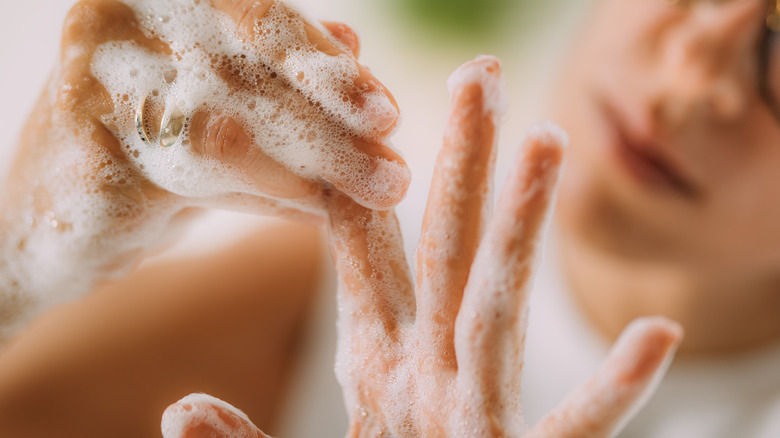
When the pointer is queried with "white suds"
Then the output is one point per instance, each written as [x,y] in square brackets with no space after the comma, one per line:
[304,108]
[201,409]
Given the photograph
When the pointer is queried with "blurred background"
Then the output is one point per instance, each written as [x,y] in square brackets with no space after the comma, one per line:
[411,46]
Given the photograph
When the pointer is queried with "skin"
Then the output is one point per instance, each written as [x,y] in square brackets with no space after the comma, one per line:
[698,239]
[71,116]
[465,360]
[62,367]
[227,322]
[443,358]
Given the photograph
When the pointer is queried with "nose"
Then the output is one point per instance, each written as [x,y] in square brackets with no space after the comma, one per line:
[708,62]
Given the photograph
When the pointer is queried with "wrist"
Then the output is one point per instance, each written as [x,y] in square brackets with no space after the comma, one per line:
[72,214]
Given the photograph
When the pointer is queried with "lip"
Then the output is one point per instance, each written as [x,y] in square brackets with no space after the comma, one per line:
[644,158]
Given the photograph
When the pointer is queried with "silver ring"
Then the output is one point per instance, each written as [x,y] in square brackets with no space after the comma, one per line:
[171,126]
[140,124]
[170,129]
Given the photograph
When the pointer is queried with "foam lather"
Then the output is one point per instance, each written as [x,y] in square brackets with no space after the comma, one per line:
[300,95]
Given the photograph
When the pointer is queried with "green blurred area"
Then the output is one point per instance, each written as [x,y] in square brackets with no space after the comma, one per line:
[464,19]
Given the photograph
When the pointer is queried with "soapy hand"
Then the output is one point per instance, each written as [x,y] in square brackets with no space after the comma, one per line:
[227,103]
[160,105]
[443,357]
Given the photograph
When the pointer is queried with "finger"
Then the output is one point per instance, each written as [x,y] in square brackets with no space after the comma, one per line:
[345,34]
[88,25]
[338,83]
[225,139]
[370,178]
[203,416]
[91,23]
[375,289]
[369,171]
[459,202]
[490,327]
[610,398]
[312,211]
[319,81]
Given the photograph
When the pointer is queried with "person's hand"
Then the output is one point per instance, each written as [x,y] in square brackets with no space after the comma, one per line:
[444,357]
[209,72]
[156,106]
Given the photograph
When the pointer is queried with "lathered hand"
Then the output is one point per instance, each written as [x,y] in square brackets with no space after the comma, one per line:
[444,357]
[160,105]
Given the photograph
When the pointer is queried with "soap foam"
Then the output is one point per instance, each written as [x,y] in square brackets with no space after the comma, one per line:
[203,410]
[393,384]
[484,70]
[71,231]
[301,106]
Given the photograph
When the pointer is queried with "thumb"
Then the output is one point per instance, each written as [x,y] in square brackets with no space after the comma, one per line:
[225,139]
[202,416]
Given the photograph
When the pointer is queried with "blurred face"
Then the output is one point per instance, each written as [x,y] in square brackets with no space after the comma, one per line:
[675,148]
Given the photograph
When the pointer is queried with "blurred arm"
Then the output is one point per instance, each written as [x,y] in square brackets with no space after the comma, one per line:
[227,323]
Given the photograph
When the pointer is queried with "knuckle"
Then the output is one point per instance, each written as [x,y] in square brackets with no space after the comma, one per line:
[94,20]
[83,11]
[83,96]
[345,34]
[227,140]
[84,16]
[249,12]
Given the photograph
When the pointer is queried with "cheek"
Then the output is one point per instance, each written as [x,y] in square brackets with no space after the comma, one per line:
[739,223]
